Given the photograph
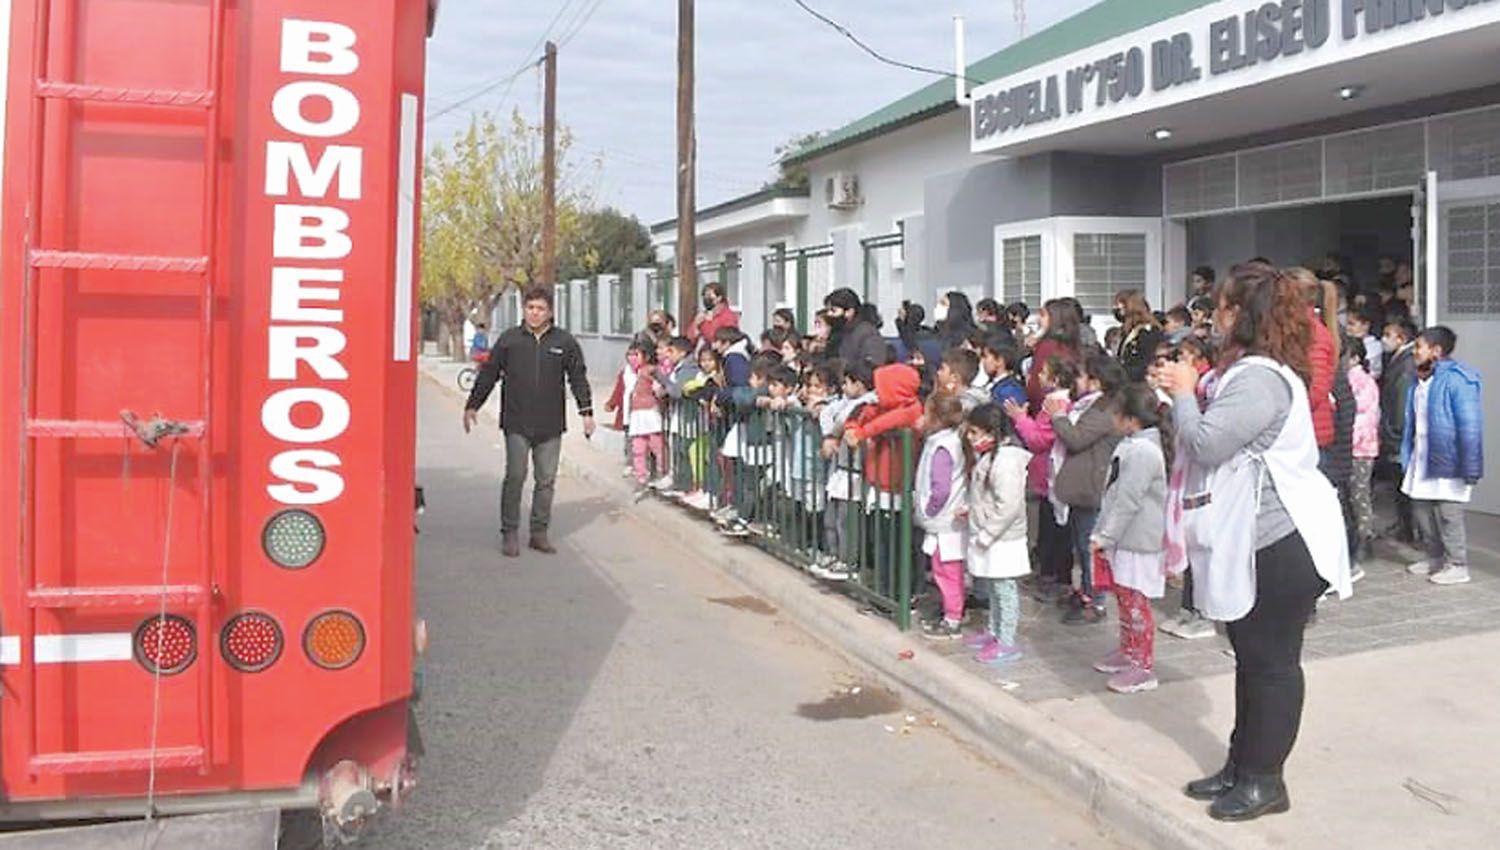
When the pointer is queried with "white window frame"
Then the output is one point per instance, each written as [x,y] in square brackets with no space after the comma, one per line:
[1457,193]
[1057,251]
[1043,228]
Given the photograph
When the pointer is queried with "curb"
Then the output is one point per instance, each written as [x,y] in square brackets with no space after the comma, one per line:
[1119,797]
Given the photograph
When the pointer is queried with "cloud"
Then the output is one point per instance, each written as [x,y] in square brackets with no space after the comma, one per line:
[766,72]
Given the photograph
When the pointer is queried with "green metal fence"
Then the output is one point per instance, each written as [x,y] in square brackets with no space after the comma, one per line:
[775,478]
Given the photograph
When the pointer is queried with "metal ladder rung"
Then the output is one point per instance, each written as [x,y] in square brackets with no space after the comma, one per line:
[128,597]
[172,98]
[107,761]
[94,429]
[87,260]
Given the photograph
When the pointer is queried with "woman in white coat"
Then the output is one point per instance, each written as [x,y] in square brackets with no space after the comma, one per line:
[1263,526]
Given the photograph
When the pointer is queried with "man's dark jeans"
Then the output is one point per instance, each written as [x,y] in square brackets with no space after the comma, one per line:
[543,455]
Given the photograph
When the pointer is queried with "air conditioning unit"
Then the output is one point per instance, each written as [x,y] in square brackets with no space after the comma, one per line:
[841,190]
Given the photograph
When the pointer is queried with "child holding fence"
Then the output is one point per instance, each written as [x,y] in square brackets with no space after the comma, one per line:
[1129,531]
[896,407]
[941,502]
[844,481]
[996,553]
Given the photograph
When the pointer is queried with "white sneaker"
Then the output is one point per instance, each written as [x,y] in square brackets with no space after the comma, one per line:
[663,485]
[697,501]
[1356,573]
[1196,628]
[1450,574]
[1420,568]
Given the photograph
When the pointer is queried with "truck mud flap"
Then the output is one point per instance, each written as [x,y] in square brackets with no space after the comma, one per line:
[252,830]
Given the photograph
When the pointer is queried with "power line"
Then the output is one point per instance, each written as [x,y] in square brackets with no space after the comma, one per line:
[844,31]
[581,22]
[530,63]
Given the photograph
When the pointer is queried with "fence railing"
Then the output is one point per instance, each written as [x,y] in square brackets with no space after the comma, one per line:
[774,477]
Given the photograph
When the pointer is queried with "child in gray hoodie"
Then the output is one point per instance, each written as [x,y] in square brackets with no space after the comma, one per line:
[1129,535]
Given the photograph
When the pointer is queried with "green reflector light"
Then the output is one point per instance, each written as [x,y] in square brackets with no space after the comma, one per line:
[293,539]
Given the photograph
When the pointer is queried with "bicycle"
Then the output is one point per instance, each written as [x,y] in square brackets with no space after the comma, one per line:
[468,374]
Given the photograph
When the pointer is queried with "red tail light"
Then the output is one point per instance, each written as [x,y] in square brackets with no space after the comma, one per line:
[251,642]
[166,645]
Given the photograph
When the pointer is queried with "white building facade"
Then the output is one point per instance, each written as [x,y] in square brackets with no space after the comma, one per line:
[1138,140]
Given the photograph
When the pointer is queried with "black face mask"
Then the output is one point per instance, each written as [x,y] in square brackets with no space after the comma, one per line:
[837,321]
[1119,315]
[658,328]
[708,303]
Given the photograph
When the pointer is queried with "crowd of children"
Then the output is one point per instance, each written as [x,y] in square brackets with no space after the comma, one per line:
[1042,456]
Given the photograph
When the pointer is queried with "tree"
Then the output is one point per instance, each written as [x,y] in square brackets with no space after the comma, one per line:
[607,241]
[792,175]
[482,219]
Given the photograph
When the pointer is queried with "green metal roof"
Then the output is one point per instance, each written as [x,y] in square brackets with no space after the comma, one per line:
[1100,22]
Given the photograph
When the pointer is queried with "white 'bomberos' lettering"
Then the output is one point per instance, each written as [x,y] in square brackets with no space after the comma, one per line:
[306,321]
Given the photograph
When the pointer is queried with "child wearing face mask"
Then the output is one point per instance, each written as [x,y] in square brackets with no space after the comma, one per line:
[996,552]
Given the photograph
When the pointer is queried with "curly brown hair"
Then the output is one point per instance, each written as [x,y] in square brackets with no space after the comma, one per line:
[1271,317]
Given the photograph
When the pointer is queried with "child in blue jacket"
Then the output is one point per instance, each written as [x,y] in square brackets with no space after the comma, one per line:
[1442,451]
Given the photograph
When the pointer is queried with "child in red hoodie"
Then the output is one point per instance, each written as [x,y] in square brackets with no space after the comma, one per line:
[897,406]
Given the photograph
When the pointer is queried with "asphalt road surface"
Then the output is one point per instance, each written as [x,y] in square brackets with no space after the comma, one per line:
[623,694]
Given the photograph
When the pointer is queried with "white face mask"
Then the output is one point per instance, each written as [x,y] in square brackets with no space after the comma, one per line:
[940,312]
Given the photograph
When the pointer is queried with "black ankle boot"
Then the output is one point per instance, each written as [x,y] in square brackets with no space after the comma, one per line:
[1251,797]
[1212,787]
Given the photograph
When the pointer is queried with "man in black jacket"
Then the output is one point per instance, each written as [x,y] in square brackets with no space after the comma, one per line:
[853,339]
[533,359]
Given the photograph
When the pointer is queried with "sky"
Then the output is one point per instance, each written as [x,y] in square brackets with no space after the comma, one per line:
[767,72]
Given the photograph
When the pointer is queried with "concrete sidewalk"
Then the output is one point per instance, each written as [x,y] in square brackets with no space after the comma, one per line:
[1397,743]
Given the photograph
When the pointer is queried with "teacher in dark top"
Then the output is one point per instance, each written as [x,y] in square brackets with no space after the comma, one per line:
[531,362]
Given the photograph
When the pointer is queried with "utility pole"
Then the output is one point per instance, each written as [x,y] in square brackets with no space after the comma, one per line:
[549,169]
[687,167]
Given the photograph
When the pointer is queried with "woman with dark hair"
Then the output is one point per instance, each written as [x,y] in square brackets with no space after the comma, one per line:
[783,317]
[1059,339]
[953,319]
[916,337]
[1140,333]
[1262,525]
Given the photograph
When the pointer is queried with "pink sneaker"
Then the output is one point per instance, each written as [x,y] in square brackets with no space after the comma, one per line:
[1115,662]
[1132,681]
[997,653]
[979,640]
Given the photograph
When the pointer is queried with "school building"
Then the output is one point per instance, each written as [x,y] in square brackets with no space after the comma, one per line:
[1124,146]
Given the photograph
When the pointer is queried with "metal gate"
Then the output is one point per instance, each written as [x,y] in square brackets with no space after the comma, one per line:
[884,263]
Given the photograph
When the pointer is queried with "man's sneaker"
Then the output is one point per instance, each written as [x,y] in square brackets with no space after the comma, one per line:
[698,501]
[943,629]
[1114,662]
[1420,568]
[980,640]
[1196,627]
[1356,573]
[1133,680]
[998,653]
[1451,574]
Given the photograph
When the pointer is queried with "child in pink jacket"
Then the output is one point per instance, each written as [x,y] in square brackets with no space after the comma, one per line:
[1053,547]
[1366,443]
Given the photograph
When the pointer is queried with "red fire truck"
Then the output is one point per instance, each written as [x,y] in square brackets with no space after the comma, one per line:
[207,404]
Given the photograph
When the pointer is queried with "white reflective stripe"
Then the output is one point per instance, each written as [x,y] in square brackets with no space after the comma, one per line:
[406,223]
[71,649]
[5,14]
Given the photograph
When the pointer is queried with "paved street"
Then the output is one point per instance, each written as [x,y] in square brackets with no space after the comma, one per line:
[623,695]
